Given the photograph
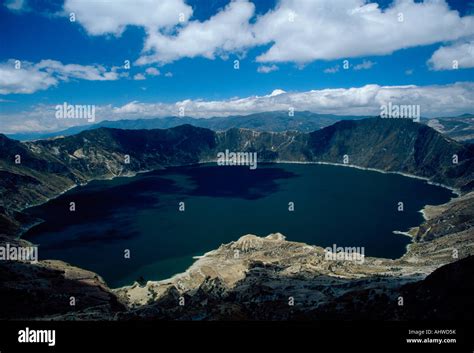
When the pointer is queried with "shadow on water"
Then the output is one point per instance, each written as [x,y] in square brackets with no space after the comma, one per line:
[109,204]
[236,181]
[89,238]
[102,200]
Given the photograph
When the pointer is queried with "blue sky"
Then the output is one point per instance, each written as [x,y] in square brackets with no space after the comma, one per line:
[32,31]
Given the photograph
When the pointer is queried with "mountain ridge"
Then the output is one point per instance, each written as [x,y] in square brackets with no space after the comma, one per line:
[460,128]
[276,121]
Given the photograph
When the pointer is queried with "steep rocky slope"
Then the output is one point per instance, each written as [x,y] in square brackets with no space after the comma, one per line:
[48,288]
[384,144]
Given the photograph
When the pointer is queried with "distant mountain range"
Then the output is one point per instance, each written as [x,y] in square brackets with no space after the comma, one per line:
[460,128]
[268,121]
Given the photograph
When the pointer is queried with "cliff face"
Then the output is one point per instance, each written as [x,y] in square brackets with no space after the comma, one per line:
[386,144]
[397,145]
[268,270]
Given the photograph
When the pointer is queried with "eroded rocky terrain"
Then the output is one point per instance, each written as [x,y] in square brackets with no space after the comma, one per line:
[256,278]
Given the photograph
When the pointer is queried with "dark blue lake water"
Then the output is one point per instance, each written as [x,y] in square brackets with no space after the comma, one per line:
[333,205]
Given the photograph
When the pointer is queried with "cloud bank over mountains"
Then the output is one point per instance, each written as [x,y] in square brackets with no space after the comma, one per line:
[453,99]
[365,100]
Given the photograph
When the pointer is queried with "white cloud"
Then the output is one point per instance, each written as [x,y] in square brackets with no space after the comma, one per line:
[363,100]
[169,74]
[112,17]
[445,57]
[434,100]
[446,100]
[139,77]
[26,80]
[83,72]
[265,69]
[276,92]
[297,31]
[15,5]
[227,31]
[327,29]
[364,65]
[331,70]
[409,72]
[30,77]
[151,71]
[41,118]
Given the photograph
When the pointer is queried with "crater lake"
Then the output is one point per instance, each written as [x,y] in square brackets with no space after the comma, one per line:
[143,215]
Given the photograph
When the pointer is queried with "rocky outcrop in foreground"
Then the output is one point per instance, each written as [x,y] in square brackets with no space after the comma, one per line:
[272,278]
[51,289]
